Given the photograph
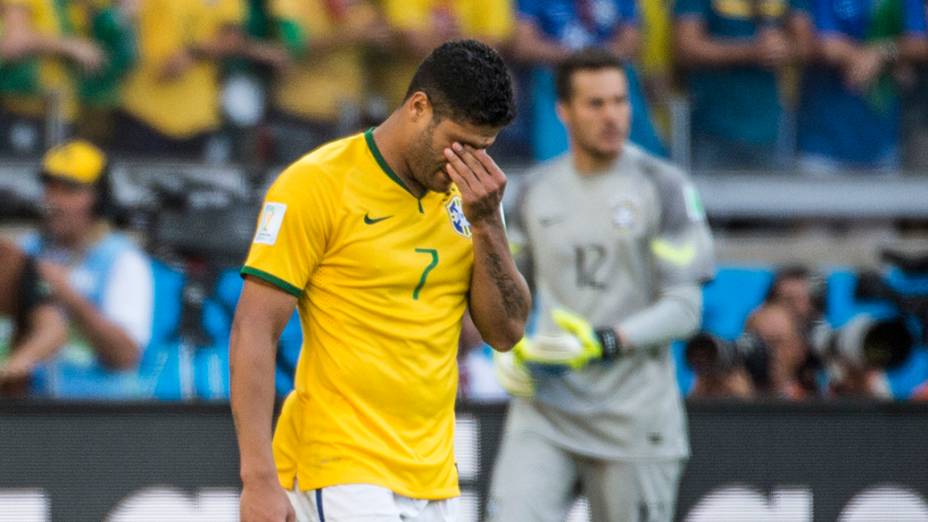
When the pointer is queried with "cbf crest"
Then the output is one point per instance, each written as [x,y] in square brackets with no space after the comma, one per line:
[626,216]
[456,213]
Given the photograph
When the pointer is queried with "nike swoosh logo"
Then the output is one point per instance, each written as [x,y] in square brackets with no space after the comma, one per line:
[370,221]
[680,256]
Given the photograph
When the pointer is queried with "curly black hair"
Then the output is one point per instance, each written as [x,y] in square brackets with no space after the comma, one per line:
[588,59]
[466,80]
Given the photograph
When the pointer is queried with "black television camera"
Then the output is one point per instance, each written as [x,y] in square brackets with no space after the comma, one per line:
[201,228]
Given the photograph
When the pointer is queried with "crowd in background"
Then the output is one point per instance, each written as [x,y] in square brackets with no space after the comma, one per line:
[817,85]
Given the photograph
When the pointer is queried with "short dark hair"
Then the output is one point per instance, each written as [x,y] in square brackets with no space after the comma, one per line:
[588,59]
[785,273]
[467,81]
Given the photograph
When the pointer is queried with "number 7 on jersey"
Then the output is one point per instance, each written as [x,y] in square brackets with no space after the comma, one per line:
[425,273]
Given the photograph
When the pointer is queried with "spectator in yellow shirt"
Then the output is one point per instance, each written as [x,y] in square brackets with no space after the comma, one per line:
[320,96]
[170,102]
[424,24]
[37,45]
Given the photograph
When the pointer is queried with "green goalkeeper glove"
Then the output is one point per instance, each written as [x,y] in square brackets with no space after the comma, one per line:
[512,374]
[577,347]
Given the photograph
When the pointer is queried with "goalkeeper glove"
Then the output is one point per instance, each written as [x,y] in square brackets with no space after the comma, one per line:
[580,344]
[512,374]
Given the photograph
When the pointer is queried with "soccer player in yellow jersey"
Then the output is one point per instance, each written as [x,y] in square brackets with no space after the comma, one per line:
[382,240]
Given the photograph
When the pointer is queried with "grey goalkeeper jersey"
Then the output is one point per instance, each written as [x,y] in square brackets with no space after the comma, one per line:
[627,247]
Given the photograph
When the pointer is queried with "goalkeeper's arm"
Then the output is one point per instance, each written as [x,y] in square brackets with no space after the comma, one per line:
[675,315]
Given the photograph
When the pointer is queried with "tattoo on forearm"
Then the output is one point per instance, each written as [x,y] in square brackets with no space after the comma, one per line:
[513,299]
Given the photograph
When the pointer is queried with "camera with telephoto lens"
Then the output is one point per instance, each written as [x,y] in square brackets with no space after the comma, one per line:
[865,342]
[708,354]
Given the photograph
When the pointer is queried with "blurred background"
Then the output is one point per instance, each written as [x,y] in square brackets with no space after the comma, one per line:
[803,122]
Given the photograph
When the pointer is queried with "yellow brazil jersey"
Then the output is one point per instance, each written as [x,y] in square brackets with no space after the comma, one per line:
[488,20]
[334,78]
[54,77]
[382,280]
[188,105]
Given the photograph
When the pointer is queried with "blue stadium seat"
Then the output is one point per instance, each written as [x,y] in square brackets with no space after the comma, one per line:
[168,289]
[211,371]
[841,305]
[211,363]
[731,296]
[160,368]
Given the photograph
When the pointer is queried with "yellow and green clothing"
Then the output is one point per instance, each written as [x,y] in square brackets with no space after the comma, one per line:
[28,84]
[187,106]
[318,85]
[382,279]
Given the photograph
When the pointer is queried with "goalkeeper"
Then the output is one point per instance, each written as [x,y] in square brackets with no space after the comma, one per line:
[617,245]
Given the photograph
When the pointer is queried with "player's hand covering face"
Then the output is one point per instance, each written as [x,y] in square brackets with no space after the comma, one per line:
[479,179]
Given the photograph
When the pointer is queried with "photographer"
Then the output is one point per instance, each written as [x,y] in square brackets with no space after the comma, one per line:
[773,357]
[768,359]
[788,353]
[715,381]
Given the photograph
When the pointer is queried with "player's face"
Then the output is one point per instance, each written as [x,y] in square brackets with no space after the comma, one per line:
[68,209]
[427,160]
[598,114]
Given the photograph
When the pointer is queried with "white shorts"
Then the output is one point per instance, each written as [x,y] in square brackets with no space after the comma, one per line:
[367,503]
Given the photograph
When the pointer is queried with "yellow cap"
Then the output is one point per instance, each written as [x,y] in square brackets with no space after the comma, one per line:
[77,161]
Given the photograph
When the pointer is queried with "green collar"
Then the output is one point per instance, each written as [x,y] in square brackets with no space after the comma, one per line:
[384,166]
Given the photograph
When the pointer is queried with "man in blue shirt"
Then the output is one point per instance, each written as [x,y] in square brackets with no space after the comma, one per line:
[849,112]
[732,52]
[550,30]
[100,279]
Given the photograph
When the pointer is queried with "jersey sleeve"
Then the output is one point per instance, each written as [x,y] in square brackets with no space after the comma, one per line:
[520,244]
[128,299]
[293,229]
[682,248]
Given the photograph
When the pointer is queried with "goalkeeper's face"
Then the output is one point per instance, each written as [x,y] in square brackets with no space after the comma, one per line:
[597,114]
